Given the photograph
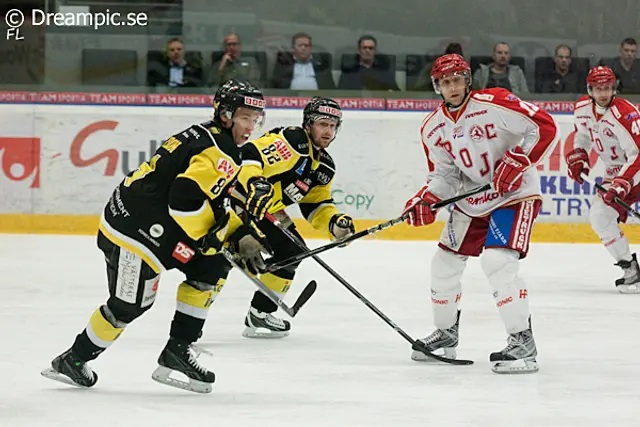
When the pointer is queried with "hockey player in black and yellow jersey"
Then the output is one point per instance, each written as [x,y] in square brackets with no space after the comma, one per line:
[172,213]
[290,166]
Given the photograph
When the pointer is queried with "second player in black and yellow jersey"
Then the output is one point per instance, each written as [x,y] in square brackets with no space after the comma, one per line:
[172,213]
[284,167]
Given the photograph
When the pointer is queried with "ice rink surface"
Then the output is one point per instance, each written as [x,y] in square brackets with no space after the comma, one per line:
[341,366]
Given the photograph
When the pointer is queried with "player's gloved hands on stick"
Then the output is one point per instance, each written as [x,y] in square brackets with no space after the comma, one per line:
[509,170]
[341,226]
[619,187]
[578,163]
[419,208]
[248,245]
[260,195]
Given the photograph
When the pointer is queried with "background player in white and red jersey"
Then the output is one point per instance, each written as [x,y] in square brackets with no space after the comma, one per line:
[475,138]
[610,125]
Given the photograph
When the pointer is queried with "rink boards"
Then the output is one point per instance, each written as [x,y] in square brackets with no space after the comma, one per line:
[60,164]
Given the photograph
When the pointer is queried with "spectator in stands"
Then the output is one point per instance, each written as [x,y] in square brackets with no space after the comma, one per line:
[299,70]
[174,71]
[234,65]
[369,73]
[424,79]
[500,73]
[626,68]
[561,79]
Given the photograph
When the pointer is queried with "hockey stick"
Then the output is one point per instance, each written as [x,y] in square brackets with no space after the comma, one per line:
[415,345]
[307,292]
[383,226]
[618,200]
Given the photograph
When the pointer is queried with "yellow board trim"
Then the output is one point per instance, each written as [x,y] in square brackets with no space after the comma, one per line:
[88,225]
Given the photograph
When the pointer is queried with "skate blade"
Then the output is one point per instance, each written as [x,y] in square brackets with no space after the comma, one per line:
[449,353]
[52,374]
[257,333]
[629,289]
[514,367]
[162,375]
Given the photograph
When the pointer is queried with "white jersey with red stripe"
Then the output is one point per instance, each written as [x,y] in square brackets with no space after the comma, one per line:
[614,135]
[464,147]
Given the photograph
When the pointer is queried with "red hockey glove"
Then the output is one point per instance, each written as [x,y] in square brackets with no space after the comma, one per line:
[620,188]
[578,163]
[421,214]
[509,170]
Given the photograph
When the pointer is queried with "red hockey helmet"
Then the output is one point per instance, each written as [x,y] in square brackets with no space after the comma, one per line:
[601,76]
[449,65]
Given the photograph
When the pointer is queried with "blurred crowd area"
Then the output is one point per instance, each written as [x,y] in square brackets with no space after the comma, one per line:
[538,50]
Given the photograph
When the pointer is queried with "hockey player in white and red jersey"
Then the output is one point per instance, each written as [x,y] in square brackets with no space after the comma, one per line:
[611,126]
[472,139]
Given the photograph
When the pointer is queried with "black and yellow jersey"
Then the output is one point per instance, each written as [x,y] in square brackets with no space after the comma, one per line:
[299,173]
[177,194]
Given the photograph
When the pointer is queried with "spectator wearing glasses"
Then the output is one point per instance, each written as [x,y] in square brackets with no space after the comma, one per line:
[500,73]
[561,79]
[175,71]
[299,70]
[234,66]
[625,67]
[368,73]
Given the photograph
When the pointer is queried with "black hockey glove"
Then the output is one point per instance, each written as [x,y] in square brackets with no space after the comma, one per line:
[341,226]
[260,195]
[211,243]
[248,245]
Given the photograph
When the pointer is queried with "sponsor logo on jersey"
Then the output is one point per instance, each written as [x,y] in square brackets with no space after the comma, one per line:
[632,116]
[607,122]
[485,198]
[438,126]
[323,178]
[458,132]
[300,169]
[476,133]
[476,114]
[183,253]
[505,301]
[584,117]
[607,132]
[226,168]
[156,230]
[301,185]
[283,149]
[150,291]
[293,193]
[511,97]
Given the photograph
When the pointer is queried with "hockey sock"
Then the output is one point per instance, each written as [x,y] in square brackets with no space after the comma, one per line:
[501,267]
[278,285]
[192,307]
[103,329]
[604,221]
[446,288]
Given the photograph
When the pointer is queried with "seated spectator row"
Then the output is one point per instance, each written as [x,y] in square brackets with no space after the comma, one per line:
[302,69]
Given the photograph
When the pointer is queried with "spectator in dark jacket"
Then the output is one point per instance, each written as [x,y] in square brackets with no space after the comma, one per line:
[626,67]
[173,70]
[561,79]
[368,73]
[299,70]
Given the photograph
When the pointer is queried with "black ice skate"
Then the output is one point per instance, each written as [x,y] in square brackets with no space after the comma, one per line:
[264,325]
[445,339]
[69,369]
[630,282]
[179,356]
[518,357]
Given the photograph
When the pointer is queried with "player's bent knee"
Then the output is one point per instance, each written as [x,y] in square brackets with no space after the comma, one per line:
[602,217]
[124,312]
[446,269]
[500,266]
